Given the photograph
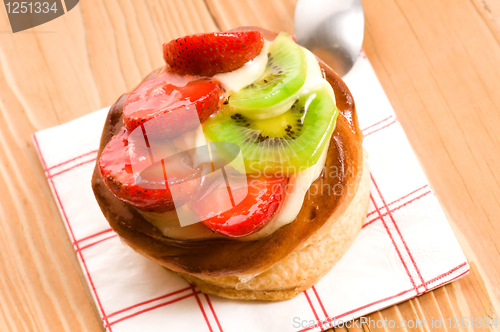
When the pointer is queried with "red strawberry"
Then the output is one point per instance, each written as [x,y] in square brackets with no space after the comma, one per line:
[175,104]
[263,199]
[116,169]
[207,54]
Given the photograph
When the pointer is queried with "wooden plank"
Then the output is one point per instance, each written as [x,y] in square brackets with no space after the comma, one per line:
[490,11]
[446,103]
[276,15]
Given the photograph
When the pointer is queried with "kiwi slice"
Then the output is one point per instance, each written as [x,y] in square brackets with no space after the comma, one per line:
[281,145]
[275,91]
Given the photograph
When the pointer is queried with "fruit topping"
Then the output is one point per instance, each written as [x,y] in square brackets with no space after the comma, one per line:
[148,190]
[173,104]
[230,173]
[276,90]
[255,210]
[284,144]
[207,54]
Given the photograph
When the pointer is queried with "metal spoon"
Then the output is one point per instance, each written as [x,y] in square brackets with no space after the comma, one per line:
[332,29]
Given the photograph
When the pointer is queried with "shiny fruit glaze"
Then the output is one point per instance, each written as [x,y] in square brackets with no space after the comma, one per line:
[116,169]
[170,104]
[208,54]
[264,197]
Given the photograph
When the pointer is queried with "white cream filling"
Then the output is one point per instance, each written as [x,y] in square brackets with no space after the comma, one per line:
[314,76]
[236,80]
[298,184]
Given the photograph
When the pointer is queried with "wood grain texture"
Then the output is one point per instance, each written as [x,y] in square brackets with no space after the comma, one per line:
[438,62]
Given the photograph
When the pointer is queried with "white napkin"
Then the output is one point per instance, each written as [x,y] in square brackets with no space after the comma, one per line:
[405,248]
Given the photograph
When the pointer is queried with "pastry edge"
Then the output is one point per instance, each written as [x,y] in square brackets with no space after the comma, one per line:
[303,267]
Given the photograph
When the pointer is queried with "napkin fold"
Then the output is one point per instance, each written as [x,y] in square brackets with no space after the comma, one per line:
[405,248]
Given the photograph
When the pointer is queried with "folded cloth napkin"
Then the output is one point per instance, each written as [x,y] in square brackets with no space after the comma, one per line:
[404,249]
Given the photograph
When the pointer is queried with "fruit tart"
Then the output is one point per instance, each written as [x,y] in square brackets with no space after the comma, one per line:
[238,165]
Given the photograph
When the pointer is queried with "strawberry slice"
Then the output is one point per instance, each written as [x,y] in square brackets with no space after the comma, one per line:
[175,104]
[116,170]
[207,54]
[263,199]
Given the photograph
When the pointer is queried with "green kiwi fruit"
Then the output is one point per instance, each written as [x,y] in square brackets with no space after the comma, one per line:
[275,91]
[284,144]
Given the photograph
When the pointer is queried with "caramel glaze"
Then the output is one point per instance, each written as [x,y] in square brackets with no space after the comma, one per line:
[225,257]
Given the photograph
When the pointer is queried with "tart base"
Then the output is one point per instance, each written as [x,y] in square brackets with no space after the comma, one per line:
[304,267]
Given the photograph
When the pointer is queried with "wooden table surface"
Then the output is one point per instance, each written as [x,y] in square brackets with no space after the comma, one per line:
[438,61]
